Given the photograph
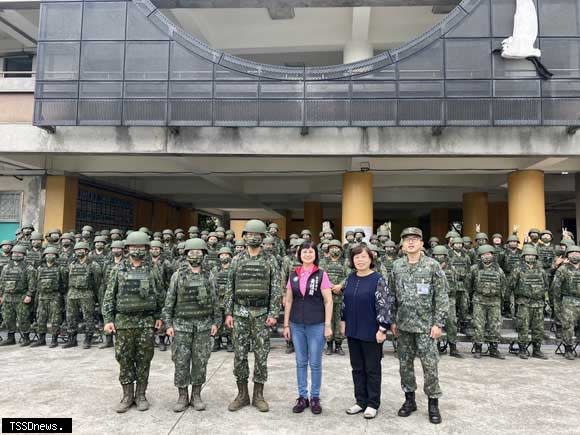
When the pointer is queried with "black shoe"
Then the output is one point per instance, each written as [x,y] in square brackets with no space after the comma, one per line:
[108,342]
[477,350]
[53,341]
[453,351]
[162,343]
[523,353]
[217,344]
[10,340]
[72,341]
[229,346]
[537,352]
[409,406]
[88,340]
[338,349]
[328,350]
[25,339]
[289,347]
[434,415]
[41,340]
[494,351]
[569,354]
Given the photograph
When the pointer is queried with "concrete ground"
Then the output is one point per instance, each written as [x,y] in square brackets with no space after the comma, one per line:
[480,396]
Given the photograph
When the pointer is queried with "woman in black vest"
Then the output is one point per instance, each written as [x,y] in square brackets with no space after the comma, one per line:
[366,317]
[307,317]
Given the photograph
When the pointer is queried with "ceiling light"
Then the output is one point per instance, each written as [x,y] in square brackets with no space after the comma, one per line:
[564,172]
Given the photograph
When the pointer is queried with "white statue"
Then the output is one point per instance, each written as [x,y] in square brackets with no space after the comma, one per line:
[521,44]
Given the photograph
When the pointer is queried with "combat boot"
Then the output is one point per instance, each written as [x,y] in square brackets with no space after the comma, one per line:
[258,398]
[140,399]
[162,343]
[128,400]
[217,344]
[53,341]
[289,347]
[25,339]
[434,415]
[9,340]
[108,342]
[196,401]
[338,348]
[523,353]
[477,350]
[453,351]
[230,346]
[87,341]
[537,352]
[242,399]
[72,341]
[41,340]
[328,350]
[182,401]
[494,351]
[409,406]
[559,332]
[569,355]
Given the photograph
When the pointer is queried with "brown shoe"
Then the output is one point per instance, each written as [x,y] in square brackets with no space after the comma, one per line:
[242,399]
[127,401]
[258,398]
[301,404]
[315,405]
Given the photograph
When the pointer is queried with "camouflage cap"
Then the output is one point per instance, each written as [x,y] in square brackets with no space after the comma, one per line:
[273,225]
[513,238]
[452,234]
[212,234]
[7,242]
[336,243]
[534,230]
[19,249]
[240,243]
[67,236]
[88,228]
[82,245]
[481,236]
[118,244]
[137,238]
[349,233]
[101,239]
[294,236]
[269,240]
[529,250]
[220,230]
[167,232]
[466,239]
[566,242]
[455,240]
[484,249]
[359,230]
[496,235]
[181,245]
[36,235]
[544,232]
[373,248]
[434,239]
[179,230]
[116,231]
[156,244]
[390,244]
[225,250]
[192,229]
[305,231]
[27,226]
[569,250]
[411,231]
[440,250]
[54,230]
[50,250]
[194,244]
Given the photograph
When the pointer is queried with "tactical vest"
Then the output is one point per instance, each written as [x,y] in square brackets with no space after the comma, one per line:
[4,260]
[460,264]
[212,257]
[14,279]
[136,293]
[193,296]
[388,263]
[572,287]
[221,281]
[78,276]
[48,280]
[33,257]
[26,243]
[100,259]
[531,285]
[546,255]
[335,271]
[487,282]
[252,279]
[512,260]
[64,258]
[450,281]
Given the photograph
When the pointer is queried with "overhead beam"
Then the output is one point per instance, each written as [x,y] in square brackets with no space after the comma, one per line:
[20,22]
[281,13]
[173,4]
[16,33]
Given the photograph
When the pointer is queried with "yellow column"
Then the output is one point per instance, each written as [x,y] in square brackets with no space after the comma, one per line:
[439,222]
[357,202]
[61,202]
[526,204]
[498,219]
[237,226]
[313,218]
[475,211]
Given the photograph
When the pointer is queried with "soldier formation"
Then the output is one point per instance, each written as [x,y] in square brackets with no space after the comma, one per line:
[150,289]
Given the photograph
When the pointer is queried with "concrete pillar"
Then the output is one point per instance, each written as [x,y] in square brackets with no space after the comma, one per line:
[439,222]
[357,50]
[357,202]
[498,218]
[526,203]
[61,202]
[313,218]
[475,211]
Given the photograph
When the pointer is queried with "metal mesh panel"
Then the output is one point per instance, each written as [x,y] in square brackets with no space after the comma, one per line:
[468,88]
[467,59]
[374,90]
[373,112]
[516,112]
[145,90]
[147,61]
[190,89]
[282,90]
[327,90]
[190,112]
[144,112]
[57,90]
[236,90]
[102,60]
[236,112]
[420,112]
[281,113]
[561,111]
[561,88]
[104,20]
[139,27]
[101,89]
[327,112]
[58,61]
[51,112]
[562,56]
[100,112]
[559,17]
[10,206]
[65,21]
[468,112]
[476,24]
[188,66]
[428,64]
[421,89]
[516,88]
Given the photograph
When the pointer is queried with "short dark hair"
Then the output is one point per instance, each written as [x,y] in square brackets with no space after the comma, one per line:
[359,249]
[308,245]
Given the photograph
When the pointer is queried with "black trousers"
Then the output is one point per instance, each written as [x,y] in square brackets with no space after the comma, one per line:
[365,360]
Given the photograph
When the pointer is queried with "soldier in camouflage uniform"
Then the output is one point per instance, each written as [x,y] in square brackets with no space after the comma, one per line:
[252,306]
[100,256]
[269,247]
[193,232]
[306,234]
[221,278]
[279,245]
[534,237]
[546,254]
[204,235]
[511,261]
[467,246]
[389,258]
[566,291]
[191,315]
[441,255]
[529,283]
[168,247]
[487,284]
[560,260]
[164,270]
[220,233]
[433,241]
[239,246]
[5,248]
[116,234]
[53,238]
[420,309]
[17,288]
[25,234]
[211,260]
[51,283]
[337,273]
[349,236]
[117,251]
[34,254]
[84,280]
[460,261]
[132,310]
[157,236]
[497,243]
[87,233]
[180,256]
[359,235]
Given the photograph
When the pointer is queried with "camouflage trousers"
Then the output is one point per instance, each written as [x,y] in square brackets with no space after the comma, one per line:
[190,353]
[134,352]
[530,319]
[17,315]
[222,330]
[451,322]
[409,346]
[335,322]
[247,331]
[48,311]
[74,309]
[486,317]
[570,317]
[462,306]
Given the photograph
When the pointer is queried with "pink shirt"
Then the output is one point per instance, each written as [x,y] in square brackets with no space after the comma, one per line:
[304,274]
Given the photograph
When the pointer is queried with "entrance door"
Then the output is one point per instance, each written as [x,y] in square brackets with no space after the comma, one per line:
[10,209]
